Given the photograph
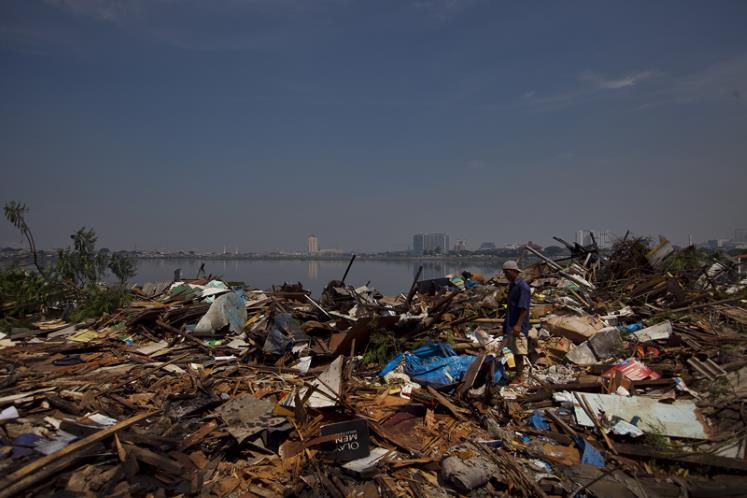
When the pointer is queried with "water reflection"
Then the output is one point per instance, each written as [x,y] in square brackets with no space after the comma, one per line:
[313,272]
[390,277]
[432,269]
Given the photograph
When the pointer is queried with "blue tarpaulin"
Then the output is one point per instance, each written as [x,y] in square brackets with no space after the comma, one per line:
[498,371]
[627,329]
[537,420]
[589,454]
[23,443]
[436,364]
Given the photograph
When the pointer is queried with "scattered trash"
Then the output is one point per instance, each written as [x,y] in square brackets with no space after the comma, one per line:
[325,389]
[228,310]
[623,428]
[575,328]
[435,364]
[9,413]
[465,469]
[365,467]
[633,370]
[246,416]
[676,419]
[153,347]
[201,387]
[84,336]
[655,333]
[537,420]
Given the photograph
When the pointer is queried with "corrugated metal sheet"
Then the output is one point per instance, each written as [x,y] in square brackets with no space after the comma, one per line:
[677,419]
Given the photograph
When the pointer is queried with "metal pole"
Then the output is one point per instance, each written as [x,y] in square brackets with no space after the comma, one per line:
[348,268]
[414,285]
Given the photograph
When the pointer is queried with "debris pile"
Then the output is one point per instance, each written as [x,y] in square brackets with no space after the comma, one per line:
[636,386]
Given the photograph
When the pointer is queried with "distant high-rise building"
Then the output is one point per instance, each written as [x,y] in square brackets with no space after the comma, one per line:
[430,243]
[460,245]
[417,244]
[581,237]
[313,244]
[487,246]
[436,243]
[604,239]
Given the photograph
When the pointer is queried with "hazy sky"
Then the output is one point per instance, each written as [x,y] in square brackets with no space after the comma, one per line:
[176,124]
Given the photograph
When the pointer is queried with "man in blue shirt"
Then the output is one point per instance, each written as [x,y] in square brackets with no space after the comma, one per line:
[516,323]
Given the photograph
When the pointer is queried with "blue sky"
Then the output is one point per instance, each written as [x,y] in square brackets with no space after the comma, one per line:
[175,124]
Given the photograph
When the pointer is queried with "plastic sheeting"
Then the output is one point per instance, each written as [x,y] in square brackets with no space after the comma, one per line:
[284,332]
[537,420]
[589,454]
[633,370]
[226,310]
[436,364]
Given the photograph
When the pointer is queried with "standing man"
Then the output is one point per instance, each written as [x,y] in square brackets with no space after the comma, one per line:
[516,323]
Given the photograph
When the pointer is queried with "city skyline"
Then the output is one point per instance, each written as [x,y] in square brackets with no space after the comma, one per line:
[604,239]
[194,124]
[424,243]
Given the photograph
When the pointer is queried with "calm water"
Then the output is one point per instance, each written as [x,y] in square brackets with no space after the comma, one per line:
[390,277]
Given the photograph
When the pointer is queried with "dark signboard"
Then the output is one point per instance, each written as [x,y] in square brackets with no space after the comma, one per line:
[350,442]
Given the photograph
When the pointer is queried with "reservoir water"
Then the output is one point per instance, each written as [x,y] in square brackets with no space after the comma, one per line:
[389,277]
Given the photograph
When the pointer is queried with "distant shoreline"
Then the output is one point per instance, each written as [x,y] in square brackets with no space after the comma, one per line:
[472,258]
[345,258]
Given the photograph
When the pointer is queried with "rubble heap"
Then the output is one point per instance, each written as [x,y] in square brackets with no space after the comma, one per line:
[636,388]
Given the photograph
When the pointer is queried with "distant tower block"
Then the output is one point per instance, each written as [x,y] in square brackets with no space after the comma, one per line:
[313,244]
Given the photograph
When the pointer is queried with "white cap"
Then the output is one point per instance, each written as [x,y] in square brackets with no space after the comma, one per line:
[511,265]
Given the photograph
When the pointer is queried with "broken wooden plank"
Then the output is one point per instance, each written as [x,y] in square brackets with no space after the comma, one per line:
[639,450]
[443,401]
[40,469]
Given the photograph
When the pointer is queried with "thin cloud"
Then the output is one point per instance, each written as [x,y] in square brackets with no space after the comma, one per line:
[599,87]
[724,81]
[626,81]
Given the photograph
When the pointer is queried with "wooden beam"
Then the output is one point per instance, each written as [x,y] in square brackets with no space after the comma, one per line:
[699,459]
[43,467]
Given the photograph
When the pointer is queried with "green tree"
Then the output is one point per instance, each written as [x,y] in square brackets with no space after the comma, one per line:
[85,266]
[75,278]
[82,265]
[122,267]
[15,212]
